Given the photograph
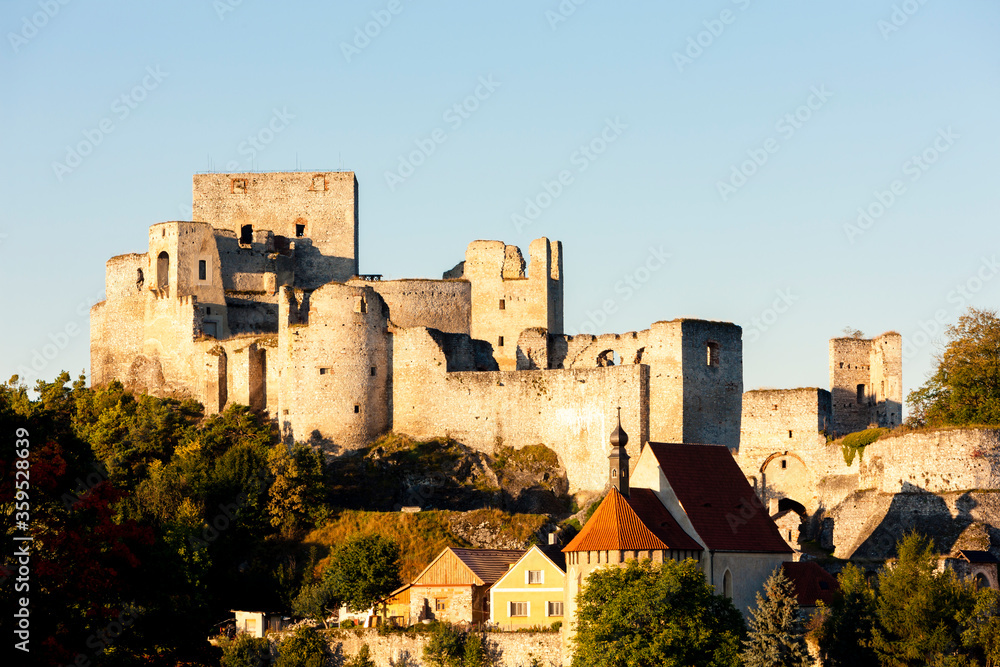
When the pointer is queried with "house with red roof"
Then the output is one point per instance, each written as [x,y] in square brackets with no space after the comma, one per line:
[678,501]
[813,585]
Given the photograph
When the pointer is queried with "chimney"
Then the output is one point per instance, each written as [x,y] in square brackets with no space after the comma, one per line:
[618,459]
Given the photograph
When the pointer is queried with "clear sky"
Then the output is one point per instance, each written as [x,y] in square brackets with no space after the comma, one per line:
[715,154]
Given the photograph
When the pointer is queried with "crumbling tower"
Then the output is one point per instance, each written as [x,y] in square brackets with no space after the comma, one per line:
[866,382]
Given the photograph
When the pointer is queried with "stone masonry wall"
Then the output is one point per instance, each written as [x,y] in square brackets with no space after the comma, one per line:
[937,462]
[324,203]
[518,649]
[335,365]
[458,603]
[445,305]
[507,299]
[571,411]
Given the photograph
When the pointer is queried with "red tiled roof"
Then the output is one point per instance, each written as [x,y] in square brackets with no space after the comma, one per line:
[488,564]
[659,521]
[717,498]
[621,525]
[812,583]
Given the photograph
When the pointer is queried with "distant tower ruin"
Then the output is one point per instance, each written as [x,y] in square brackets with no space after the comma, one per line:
[866,382]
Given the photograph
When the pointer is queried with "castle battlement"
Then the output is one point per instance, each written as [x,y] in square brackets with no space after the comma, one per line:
[258,301]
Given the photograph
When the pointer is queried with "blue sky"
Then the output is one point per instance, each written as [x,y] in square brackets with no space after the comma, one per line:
[738,137]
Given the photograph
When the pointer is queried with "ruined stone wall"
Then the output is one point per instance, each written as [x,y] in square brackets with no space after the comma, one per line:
[518,649]
[713,382]
[506,299]
[887,378]
[915,480]
[325,204]
[335,358]
[185,245]
[937,462]
[570,411]
[866,381]
[780,438]
[586,351]
[783,419]
[850,361]
[868,524]
[695,394]
[116,331]
[445,305]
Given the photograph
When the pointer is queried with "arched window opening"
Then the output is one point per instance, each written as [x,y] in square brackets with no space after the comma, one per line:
[712,353]
[606,358]
[163,270]
[727,584]
[789,504]
[982,581]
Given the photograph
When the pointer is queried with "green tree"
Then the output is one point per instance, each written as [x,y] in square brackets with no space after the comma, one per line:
[478,650]
[317,602]
[361,659]
[364,570]
[982,627]
[777,637]
[647,614]
[304,648]
[445,647]
[298,489]
[965,388]
[846,629]
[919,608]
[246,651]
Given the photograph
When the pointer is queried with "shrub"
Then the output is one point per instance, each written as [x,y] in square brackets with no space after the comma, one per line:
[305,648]
[246,651]
[855,443]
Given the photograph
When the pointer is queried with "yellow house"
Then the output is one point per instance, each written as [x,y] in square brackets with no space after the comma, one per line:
[532,591]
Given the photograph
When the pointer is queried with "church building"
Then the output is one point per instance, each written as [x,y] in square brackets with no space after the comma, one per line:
[679,501]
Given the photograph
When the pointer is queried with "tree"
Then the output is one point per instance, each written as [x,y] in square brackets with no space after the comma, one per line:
[965,388]
[246,651]
[317,602]
[851,332]
[647,614]
[919,608]
[445,648]
[298,489]
[479,650]
[304,648]
[363,571]
[776,638]
[982,628]
[846,630]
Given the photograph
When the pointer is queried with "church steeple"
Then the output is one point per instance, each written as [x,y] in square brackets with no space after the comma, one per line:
[618,459]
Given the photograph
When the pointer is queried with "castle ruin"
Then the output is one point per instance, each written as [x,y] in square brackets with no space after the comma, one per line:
[259,302]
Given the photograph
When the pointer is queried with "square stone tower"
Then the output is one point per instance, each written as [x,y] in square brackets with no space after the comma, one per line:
[315,212]
[866,382]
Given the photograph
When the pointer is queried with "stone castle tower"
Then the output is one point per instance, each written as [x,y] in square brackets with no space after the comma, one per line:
[866,382]
[258,301]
